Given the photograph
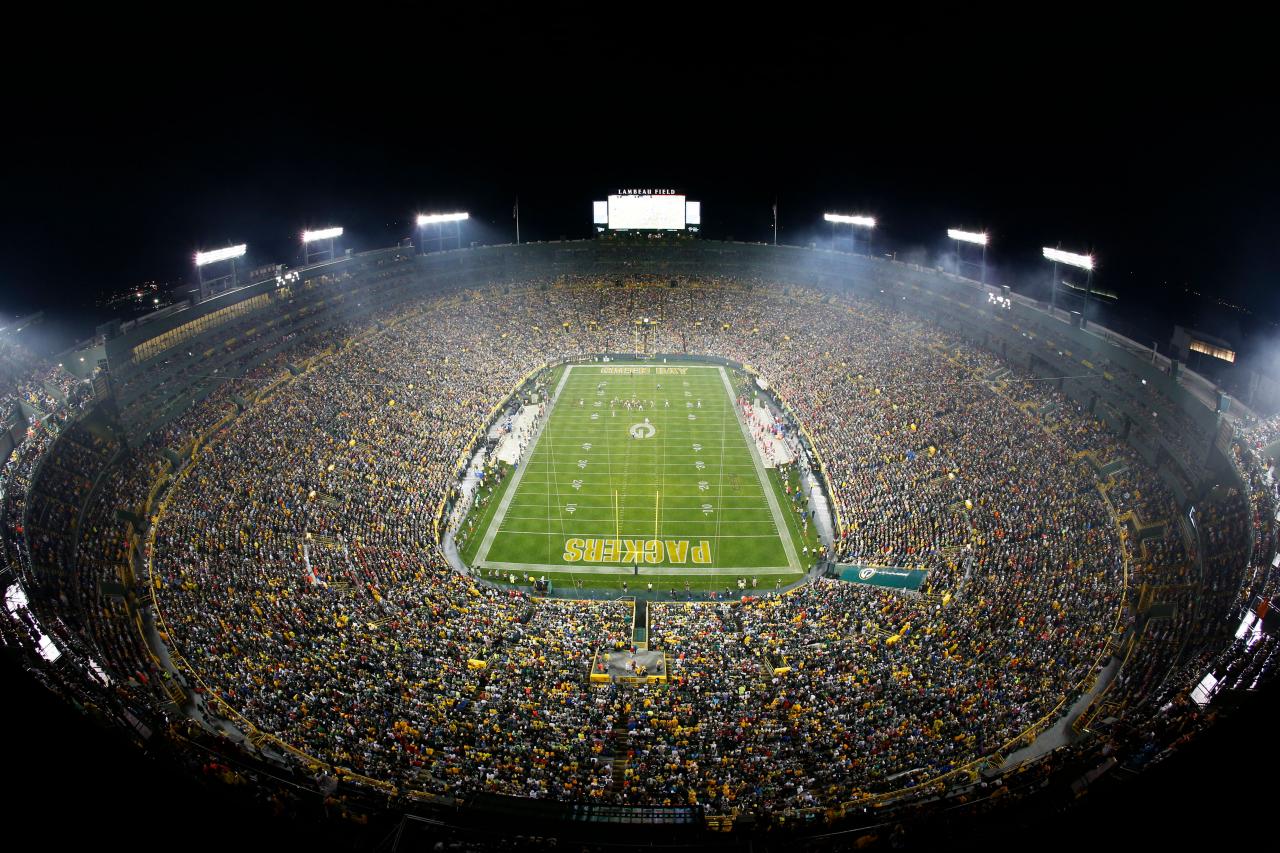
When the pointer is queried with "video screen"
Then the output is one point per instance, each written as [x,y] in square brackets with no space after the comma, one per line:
[646,212]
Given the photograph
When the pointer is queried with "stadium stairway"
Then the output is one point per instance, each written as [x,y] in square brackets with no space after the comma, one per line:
[640,625]
[617,750]
[766,671]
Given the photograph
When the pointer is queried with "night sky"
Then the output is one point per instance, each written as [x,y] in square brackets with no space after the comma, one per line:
[1140,150]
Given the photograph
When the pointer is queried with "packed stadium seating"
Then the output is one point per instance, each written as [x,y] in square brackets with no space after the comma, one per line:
[292,542]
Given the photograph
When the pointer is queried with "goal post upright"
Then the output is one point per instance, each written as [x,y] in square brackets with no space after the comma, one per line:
[655,515]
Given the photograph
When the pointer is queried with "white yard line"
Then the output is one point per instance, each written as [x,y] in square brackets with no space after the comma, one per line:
[608,450]
[565,438]
[568,469]
[662,468]
[559,500]
[720,475]
[647,571]
[688,504]
[608,534]
[496,521]
[748,495]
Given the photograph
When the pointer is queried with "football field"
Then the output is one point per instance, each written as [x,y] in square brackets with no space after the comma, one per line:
[641,469]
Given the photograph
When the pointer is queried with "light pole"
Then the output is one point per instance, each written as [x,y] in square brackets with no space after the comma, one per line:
[438,221]
[976,237]
[1071,259]
[217,256]
[325,237]
[867,222]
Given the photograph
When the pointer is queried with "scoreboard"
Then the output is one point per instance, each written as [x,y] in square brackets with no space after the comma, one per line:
[647,210]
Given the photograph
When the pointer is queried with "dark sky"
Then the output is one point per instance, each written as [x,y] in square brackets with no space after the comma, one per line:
[1151,147]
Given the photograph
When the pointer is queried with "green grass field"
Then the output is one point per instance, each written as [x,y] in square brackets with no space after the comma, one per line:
[673,488]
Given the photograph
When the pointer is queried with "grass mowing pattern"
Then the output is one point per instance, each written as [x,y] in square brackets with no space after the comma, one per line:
[691,478]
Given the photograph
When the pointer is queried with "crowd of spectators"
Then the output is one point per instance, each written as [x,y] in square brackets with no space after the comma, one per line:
[1252,654]
[296,567]
[297,570]
[45,387]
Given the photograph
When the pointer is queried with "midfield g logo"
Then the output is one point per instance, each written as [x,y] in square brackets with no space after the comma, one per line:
[867,573]
[644,430]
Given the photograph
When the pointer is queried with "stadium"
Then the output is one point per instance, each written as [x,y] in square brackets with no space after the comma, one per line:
[686,540]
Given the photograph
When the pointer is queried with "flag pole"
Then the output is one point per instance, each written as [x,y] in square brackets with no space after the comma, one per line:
[516,213]
[775,220]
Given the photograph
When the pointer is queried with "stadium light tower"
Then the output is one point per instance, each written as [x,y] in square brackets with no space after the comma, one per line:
[1071,259]
[323,240]
[867,222]
[438,224]
[212,285]
[977,238]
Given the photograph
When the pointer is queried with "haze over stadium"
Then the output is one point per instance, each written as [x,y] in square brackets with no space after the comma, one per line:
[636,480]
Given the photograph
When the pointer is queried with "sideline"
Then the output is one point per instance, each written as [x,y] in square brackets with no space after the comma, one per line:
[784,533]
[482,553]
